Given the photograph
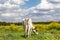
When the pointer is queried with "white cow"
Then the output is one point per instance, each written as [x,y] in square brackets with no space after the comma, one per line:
[28,27]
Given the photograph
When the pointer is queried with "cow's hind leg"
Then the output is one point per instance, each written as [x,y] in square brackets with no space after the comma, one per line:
[29,32]
[25,34]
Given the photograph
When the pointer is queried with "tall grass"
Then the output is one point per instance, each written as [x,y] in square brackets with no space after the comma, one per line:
[46,32]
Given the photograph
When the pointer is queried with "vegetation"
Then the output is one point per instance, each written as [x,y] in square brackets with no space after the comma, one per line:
[15,31]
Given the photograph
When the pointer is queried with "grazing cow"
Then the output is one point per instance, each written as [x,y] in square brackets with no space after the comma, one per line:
[28,27]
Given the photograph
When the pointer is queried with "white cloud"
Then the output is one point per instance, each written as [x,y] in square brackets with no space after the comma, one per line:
[57,6]
[9,14]
[47,11]
[47,16]
[56,3]
[8,5]
[18,1]
[34,11]
[12,3]
[42,18]
[18,18]
[44,11]
[45,5]
[54,0]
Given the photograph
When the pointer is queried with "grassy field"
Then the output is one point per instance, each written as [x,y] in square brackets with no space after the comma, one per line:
[52,34]
[46,32]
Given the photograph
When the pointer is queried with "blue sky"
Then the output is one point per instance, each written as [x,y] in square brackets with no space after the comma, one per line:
[37,10]
[31,3]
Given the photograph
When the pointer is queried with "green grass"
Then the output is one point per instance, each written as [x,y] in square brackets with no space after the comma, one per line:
[46,32]
[51,34]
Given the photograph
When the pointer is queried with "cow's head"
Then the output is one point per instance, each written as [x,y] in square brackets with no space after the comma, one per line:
[35,30]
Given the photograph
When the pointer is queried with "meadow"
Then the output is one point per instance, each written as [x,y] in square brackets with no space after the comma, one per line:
[49,31]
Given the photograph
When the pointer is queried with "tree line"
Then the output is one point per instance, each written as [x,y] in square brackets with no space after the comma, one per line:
[20,23]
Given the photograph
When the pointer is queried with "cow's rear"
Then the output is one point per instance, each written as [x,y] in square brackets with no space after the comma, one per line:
[28,27]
